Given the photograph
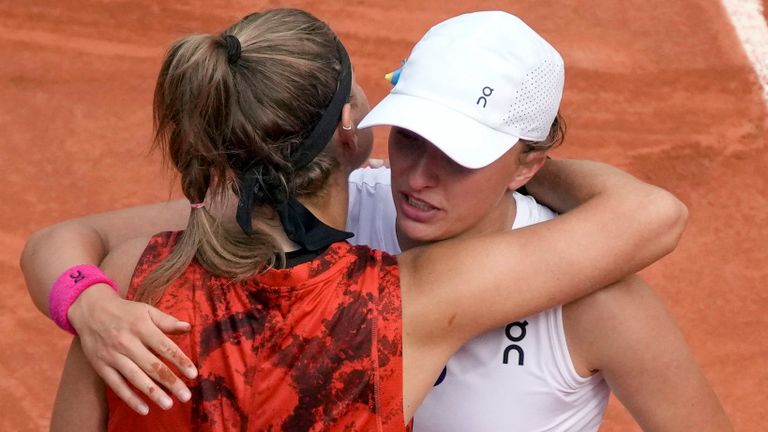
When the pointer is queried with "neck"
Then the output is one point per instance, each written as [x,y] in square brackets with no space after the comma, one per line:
[500,218]
[331,205]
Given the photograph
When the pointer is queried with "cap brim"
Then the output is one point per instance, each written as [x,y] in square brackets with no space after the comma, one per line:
[468,142]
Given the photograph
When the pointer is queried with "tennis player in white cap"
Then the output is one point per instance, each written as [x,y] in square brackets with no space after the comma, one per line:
[474,113]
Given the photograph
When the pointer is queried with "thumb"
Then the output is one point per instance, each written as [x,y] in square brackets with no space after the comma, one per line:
[168,323]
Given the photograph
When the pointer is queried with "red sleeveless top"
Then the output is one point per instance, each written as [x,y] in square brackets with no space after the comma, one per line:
[316,347]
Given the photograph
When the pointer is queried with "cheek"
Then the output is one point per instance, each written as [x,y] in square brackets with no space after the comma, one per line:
[398,173]
[465,201]
[397,158]
[360,104]
[403,151]
[472,199]
[358,113]
[365,140]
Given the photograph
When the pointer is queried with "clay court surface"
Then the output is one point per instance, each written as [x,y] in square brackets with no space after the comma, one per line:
[662,89]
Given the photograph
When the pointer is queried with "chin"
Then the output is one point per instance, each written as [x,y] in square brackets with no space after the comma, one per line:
[416,235]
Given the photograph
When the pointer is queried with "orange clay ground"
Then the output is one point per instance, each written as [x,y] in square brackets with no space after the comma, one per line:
[662,89]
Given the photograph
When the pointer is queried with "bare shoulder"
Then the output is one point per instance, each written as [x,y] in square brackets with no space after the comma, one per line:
[599,326]
[121,261]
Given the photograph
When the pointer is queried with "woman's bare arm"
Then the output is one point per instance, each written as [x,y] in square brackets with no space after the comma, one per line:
[89,239]
[117,335]
[81,404]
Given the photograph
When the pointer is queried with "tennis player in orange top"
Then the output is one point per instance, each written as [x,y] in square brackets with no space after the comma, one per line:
[292,328]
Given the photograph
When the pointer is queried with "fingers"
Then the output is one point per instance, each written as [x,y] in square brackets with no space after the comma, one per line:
[121,351]
[143,382]
[165,347]
[168,323]
[145,371]
[118,385]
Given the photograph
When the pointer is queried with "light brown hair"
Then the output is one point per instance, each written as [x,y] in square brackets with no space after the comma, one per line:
[554,139]
[216,120]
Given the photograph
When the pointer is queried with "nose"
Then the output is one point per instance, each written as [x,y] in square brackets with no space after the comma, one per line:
[425,171]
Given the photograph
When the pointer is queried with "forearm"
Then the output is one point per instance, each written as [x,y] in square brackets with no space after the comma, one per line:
[564,185]
[88,240]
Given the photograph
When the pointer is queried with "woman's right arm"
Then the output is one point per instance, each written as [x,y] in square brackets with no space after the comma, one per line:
[87,240]
[613,226]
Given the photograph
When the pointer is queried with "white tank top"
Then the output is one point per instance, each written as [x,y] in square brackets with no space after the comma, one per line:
[516,378]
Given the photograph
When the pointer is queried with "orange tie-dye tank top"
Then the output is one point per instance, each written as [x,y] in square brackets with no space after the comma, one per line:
[315,347]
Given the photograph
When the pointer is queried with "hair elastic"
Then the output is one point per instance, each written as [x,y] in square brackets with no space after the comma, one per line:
[233,48]
[197,205]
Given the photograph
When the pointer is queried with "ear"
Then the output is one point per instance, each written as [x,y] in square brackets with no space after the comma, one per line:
[530,164]
[346,133]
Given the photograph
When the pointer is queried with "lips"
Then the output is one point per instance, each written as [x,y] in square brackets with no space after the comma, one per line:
[421,205]
[416,209]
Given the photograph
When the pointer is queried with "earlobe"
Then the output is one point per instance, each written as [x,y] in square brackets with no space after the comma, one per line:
[346,128]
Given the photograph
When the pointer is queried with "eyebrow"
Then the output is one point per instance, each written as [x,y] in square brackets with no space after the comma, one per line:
[410,135]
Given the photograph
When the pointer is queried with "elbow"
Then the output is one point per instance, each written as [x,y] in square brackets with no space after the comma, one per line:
[30,247]
[682,219]
[57,241]
[28,263]
[673,216]
[39,240]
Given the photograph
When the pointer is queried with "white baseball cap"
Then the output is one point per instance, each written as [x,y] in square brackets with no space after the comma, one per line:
[474,85]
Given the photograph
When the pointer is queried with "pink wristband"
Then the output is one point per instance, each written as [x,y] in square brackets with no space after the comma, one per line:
[68,286]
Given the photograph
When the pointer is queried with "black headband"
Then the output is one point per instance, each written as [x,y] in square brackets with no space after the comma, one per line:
[323,130]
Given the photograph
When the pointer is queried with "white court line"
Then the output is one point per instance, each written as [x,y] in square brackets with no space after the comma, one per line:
[748,19]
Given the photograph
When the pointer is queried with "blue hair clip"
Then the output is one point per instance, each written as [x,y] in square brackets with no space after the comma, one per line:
[394,76]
